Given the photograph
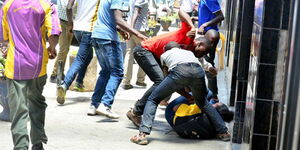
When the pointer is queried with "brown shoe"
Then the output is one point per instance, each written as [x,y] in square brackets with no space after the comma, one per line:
[136,119]
[224,137]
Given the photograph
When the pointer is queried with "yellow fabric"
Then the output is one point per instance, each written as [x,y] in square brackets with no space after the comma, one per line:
[9,65]
[186,110]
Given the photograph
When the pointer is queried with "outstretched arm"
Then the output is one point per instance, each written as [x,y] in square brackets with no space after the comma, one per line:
[125,27]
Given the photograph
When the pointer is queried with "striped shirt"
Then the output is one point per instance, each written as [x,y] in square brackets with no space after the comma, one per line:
[62,9]
[86,15]
[25,25]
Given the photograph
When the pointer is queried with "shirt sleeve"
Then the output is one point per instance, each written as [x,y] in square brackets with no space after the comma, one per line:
[205,65]
[213,5]
[52,22]
[117,4]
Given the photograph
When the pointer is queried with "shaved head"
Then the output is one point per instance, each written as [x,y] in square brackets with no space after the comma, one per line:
[212,35]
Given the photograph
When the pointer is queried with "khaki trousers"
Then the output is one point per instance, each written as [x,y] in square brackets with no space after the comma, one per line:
[27,102]
[128,62]
[64,43]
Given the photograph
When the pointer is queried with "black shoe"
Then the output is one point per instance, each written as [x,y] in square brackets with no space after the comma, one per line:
[38,146]
[53,79]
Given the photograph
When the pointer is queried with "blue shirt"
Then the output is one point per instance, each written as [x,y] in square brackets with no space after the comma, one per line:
[105,27]
[206,11]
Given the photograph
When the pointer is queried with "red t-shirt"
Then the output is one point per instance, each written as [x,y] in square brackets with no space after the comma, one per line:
[156,44]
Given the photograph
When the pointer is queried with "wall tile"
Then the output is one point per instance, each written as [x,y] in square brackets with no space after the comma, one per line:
[259,142]
[237,132]
[285,14]
[262,117]
[273,143]
[269,48]
[275,118]
[265,83]
[272,17]
[239,112]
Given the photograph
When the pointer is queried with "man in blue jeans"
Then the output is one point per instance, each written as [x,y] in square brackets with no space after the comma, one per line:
[83,25]
[184,70]
[109,54]
[210,15]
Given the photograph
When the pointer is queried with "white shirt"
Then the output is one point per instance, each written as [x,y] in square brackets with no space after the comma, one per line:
[187,5]
[141,23]
[176,56]
[86,15]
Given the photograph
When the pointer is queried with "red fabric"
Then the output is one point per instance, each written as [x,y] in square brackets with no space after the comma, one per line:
[156,44]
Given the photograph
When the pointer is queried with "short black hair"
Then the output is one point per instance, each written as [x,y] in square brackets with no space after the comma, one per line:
[171,45]
[204,41]
[225,113]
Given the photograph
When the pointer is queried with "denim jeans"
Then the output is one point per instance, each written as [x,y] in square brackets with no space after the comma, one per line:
[110,58]
[183,75]
[82,59]
[151,67]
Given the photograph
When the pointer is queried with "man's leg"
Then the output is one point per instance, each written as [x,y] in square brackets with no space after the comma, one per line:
[114,55]
[199,91]
[37,108]
[128,64]
[103,74]
[18,113]
[64,42]
[82,60]
[163,90]
[148,63]
[140,74]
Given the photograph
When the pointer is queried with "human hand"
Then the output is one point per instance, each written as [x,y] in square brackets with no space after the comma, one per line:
[3,48]
[51,52]
[142,37]
[190,99]
[213,71]
[191,33]
[125,35]
[201,29]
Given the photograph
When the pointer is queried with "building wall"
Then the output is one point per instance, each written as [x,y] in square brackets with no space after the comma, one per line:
[260,72]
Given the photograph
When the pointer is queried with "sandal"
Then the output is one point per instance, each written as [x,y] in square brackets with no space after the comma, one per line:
[140,139]
[224,137]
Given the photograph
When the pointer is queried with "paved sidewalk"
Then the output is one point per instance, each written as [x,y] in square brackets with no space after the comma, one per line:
[69,128]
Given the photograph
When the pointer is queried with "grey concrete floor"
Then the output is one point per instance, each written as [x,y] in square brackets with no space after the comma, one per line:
[69,128]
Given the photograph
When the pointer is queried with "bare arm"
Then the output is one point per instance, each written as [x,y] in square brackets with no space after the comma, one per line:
[70,14]
[123,25]
[219,17]
[53,40]
[185,17]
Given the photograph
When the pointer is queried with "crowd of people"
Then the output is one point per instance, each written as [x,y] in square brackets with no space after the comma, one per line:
[177,61]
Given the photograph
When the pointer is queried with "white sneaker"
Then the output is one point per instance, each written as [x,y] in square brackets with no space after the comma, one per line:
[91,111]
[106,111]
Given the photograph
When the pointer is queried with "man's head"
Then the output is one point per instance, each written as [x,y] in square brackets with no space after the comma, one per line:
[213,36]
[224,112]
[201,46]
[171,45]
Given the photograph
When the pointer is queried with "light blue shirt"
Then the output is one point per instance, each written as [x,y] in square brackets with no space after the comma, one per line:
[105,27]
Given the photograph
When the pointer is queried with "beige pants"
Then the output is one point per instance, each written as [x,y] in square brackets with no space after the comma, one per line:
[128,62]
[64,42]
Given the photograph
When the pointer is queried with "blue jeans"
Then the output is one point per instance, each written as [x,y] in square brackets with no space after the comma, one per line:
[151,67]
[183,75]
[82,60]
[110,58]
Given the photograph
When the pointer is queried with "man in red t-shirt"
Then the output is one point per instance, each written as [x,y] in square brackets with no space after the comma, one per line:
[148,54]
